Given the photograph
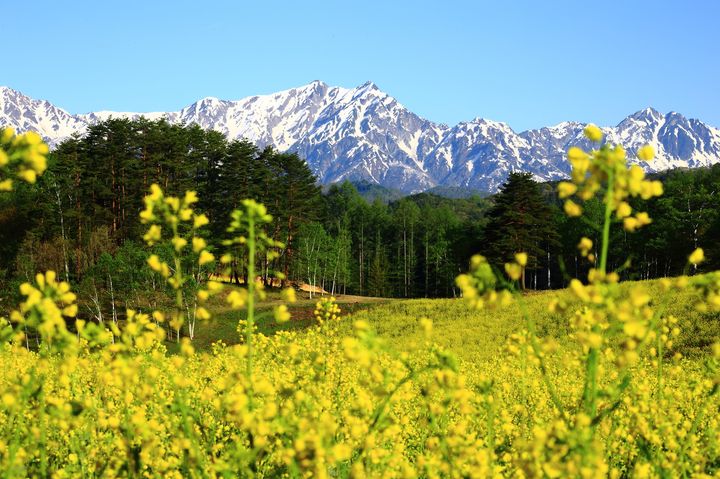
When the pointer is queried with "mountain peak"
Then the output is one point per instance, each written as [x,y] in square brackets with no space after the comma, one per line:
[314,87]
[6,91]
[675,118]
[645,114]
[484,122]
[209,100]
[565,125]
[368,85]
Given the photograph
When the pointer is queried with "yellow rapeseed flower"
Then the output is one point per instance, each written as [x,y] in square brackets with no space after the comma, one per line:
[29,176]
[156,192]
[593,133]
[198,244]
[585,245]
[154,262]
[643,218]
[178,243]
[513,270]
[185,214]
[8,400]
[200,221]
[190,198]
[572,208]
[697,256]
[153,235]
[579,290]
[623,210]
[237,298]
[205,257]
[288,295]
[576,154]
[566,189]
[630,224]
[281,313]
[32,138]
[646,153]
[6,134]
[521,259]
[426,325]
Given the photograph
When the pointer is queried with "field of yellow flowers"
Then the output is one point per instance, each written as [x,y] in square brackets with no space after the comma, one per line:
[604,379]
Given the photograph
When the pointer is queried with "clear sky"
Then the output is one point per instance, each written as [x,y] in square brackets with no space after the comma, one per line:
[530,64]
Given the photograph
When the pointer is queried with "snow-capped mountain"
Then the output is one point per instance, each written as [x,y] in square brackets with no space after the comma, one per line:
[26,114]
[364,134]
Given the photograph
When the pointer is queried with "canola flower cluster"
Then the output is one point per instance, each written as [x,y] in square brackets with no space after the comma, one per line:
[327,310]
[22,157]
[173,222]
[87,401]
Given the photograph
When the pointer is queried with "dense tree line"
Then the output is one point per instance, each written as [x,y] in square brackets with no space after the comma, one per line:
[81,219]
[527,216]
[87,204]
[412,247]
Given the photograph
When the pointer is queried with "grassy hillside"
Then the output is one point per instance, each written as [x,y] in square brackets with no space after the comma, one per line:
[470,334]
[224,322]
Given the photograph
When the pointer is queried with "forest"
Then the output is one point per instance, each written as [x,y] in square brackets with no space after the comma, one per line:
[81,219]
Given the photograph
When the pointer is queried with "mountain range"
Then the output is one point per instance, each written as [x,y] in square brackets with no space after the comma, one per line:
[364,134]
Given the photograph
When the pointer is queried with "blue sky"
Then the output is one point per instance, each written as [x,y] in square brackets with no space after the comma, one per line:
[529,64]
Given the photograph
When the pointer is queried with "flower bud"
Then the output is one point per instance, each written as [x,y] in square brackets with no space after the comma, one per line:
[593,133]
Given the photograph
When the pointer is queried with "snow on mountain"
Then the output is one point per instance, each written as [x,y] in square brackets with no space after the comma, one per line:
[365,134]
[478,154]
[26,114]
[279,119]
[100,116]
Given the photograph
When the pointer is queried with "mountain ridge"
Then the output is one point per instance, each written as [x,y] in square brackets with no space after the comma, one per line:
[363,133]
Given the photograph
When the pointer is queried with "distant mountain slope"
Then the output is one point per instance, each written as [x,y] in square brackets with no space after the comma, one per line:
[456,192]
[363,134]
[372,191]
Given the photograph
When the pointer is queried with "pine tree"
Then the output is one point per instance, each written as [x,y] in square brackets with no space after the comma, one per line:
[377,273]
[295,200]
[521,220]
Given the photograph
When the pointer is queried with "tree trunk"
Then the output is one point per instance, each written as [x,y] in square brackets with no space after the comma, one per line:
[62,232]
[405,259]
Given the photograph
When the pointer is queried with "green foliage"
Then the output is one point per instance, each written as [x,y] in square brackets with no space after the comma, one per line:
[372,191]
[478,335]
[520,220]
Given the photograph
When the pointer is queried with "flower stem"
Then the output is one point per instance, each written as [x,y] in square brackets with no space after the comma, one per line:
[250,304]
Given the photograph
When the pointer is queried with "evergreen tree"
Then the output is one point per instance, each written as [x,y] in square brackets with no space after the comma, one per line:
[377,273]
[520,221]
[292,197]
